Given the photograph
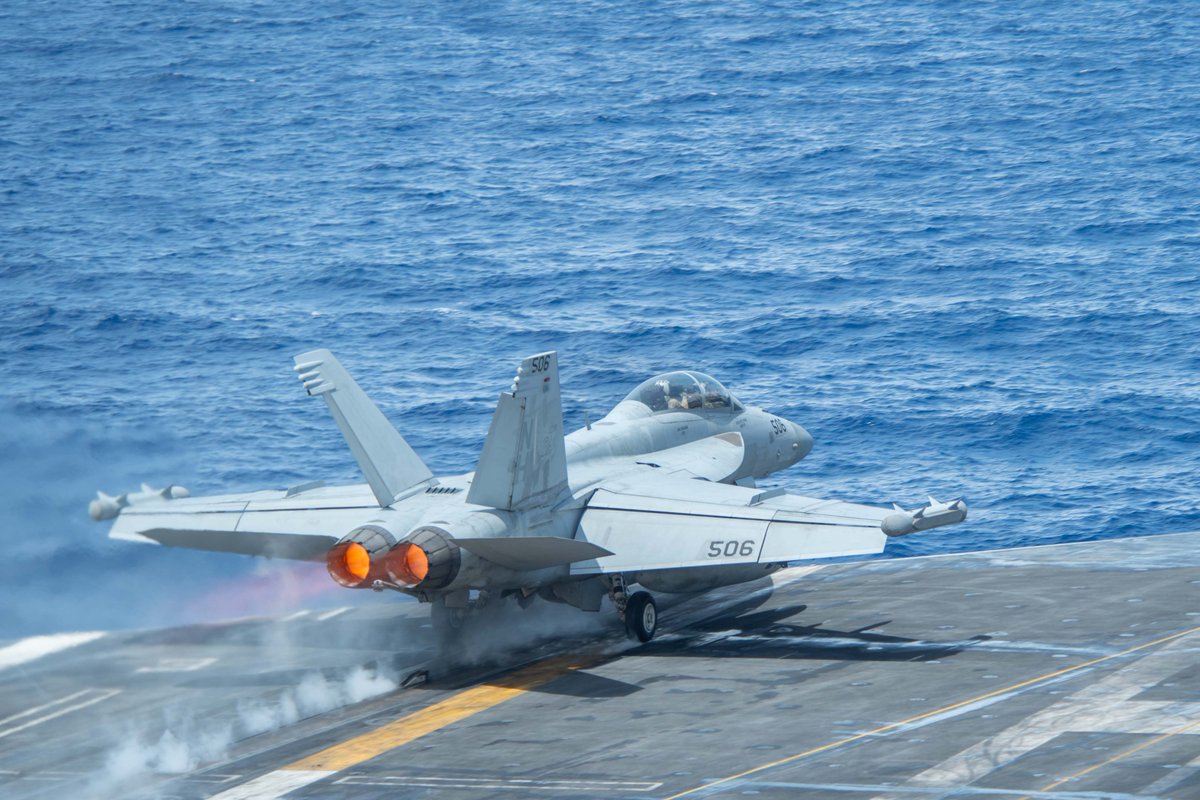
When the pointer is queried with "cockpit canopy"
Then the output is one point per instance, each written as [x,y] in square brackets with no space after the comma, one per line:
[684,390]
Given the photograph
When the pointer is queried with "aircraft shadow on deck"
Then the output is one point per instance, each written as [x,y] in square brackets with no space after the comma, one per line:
[748,631]
[774,633]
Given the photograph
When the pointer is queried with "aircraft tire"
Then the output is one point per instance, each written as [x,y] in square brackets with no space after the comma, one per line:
[641,616]
[448,623]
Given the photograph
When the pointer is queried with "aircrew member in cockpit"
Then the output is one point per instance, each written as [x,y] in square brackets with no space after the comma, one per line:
[656,396]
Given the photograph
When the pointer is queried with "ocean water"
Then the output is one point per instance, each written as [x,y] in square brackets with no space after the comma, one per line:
[959,242]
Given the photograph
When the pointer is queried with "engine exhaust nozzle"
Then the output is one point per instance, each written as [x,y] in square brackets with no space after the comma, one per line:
[356,561]
[407,564]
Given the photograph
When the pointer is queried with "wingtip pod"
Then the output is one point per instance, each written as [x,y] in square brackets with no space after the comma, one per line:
[105,507]
[934,515]
[108,507]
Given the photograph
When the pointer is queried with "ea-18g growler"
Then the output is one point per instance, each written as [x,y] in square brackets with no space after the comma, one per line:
[658,495]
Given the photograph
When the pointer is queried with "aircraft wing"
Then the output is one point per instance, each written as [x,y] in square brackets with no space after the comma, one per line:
[300,523]
[667,522]
[296,525]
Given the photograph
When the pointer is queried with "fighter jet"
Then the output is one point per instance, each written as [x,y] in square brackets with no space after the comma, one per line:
[658,496]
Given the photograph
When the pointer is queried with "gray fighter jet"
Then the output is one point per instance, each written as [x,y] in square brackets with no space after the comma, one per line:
[659,494]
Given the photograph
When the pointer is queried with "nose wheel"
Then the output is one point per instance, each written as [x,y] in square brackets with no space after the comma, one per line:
[641,616]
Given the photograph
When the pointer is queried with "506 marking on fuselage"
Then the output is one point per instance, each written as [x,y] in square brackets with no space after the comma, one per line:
[728,548]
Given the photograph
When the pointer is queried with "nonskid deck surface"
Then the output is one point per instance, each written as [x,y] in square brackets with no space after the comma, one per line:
[1070,671]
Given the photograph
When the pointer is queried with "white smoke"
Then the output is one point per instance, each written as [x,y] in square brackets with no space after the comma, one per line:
[171,753]
[183,740]
[186,743]
[315,694]
[504,632]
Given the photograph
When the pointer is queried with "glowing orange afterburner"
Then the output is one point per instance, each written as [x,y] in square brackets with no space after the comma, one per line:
[348,563]
[407,564]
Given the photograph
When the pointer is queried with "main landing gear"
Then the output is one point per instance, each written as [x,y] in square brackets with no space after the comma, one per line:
[453,615]
[639,611]
[448,622]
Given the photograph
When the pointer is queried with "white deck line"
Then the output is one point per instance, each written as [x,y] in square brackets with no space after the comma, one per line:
[1107,706]
[273,785]
[103,694]
[45,706]
[26,650]
[331,614]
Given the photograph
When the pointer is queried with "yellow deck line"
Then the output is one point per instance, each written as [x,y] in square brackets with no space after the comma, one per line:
[437,716]
[884,728]
[472,701]
[1121,755]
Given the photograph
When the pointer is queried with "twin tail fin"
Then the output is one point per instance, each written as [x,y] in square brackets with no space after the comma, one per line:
[524,459]
[523,463]
[390,466]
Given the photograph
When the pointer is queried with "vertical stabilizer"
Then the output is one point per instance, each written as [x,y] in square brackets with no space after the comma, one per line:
[388,463]
[524,460]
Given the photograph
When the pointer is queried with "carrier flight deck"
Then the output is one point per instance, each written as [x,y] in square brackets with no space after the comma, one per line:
[1067,671]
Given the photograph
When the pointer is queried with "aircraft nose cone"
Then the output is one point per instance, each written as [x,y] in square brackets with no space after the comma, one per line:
[802,444]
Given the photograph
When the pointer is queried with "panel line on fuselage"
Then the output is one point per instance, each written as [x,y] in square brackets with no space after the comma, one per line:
[719,516]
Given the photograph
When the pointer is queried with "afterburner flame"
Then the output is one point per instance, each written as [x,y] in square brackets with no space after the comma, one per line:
[407,564]
[348,563]
[358,563]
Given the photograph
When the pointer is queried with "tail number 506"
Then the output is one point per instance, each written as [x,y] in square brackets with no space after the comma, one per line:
[722,548]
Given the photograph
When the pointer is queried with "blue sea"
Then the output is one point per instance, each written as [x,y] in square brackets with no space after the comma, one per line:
[959,242]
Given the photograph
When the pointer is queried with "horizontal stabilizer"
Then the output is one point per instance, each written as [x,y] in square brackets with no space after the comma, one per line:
[299,547]
[390,466]
[275,524]
[524,553]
